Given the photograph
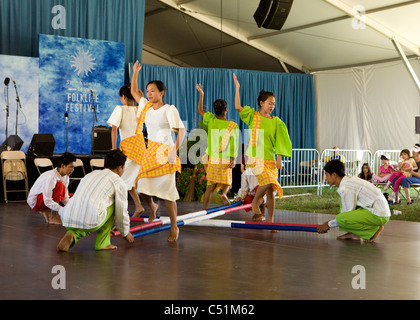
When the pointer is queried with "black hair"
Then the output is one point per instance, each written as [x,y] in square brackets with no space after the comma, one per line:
[406,151]
[264,95]
[160,86]
[66,158]
[114,159]
[220,106]
[126,91]
[335,166]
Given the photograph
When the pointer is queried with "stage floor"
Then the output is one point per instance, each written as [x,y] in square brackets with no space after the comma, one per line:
[208,263]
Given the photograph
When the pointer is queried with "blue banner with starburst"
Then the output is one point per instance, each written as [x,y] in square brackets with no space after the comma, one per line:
[80,78]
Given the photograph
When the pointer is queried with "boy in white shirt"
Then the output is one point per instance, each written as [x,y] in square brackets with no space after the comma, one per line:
[100,198]
[50,191]
[249,185]
[364,210]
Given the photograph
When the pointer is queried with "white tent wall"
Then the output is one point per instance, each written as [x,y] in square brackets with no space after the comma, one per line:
[371,107]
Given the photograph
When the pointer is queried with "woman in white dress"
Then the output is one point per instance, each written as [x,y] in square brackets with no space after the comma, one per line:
[160,119]
[124,120]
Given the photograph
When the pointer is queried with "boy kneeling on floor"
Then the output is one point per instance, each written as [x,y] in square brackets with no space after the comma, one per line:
[100,198]
[364,210]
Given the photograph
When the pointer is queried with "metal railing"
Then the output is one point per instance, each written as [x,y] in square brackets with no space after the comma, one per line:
[300,170]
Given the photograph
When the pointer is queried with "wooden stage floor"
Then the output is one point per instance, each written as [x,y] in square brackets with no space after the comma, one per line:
[208,263]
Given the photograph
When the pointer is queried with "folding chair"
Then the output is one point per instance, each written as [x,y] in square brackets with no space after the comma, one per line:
[43,164]
[97,163]
[78,173]
[14,170]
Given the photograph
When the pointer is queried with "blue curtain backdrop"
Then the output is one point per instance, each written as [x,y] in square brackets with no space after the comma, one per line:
[21,21]
[295,95]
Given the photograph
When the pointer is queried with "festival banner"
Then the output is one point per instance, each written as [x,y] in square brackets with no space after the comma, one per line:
[80,78]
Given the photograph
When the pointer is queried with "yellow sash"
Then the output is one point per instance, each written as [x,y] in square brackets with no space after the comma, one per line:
[153,160]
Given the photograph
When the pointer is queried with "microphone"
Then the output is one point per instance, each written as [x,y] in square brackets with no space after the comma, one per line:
[66,117]
[14,82]
[6,82]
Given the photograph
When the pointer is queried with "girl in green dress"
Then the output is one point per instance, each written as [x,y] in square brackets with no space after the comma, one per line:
[269,141]
[222,148]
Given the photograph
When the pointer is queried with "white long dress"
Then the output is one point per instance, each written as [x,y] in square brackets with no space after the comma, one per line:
[159,124]
[125,119]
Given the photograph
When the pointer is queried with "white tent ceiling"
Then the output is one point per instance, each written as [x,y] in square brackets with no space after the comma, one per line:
[318,34]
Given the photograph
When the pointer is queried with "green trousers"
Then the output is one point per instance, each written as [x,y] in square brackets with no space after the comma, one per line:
[103,232]
[360,222]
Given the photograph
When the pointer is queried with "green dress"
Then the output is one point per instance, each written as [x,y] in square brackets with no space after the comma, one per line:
[217,169]
[216,130]
[273,138]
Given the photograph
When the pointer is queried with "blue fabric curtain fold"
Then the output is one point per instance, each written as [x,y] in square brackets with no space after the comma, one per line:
[295,97]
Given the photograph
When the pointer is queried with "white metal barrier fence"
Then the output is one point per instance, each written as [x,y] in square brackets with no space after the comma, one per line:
[353,161]
[300,170]
[394,159]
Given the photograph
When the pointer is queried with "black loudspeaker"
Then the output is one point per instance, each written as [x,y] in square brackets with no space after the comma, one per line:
[101,140]
[417,124]
[13,143]
[42,145]
[272,14]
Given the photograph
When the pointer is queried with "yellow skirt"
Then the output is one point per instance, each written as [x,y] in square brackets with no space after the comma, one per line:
[266,173]
[218,171]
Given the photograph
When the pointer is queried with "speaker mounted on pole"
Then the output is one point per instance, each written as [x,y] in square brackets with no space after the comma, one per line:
[272,14]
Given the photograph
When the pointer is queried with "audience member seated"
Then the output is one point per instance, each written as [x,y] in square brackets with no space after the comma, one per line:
[385,170]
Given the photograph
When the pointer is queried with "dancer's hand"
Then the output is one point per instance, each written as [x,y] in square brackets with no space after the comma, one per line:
[237,85]
[172,156]
[137,67]
[200,88]
[323,228]
[279,164]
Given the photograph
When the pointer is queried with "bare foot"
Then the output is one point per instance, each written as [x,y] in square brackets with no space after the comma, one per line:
[258,217]
[139,211]
[45,214]
[225,199]
[65,242]
[348,236]
[152,215]
[109,247]
[375,236]
[255,207]
[54,218]
[173,235]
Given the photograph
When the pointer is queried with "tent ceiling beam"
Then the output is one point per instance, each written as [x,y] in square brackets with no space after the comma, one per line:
[332,20]
[370,22]
[233,33]
[348,66]
[164,56]
[407,64]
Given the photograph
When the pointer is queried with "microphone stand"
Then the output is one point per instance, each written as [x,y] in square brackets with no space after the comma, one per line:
[18,105]
[94,110]
[93,122]
[67,130]
[7,114]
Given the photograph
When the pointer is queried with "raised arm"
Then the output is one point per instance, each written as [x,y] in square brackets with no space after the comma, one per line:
[137,95]
[238,106]
[200,102]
